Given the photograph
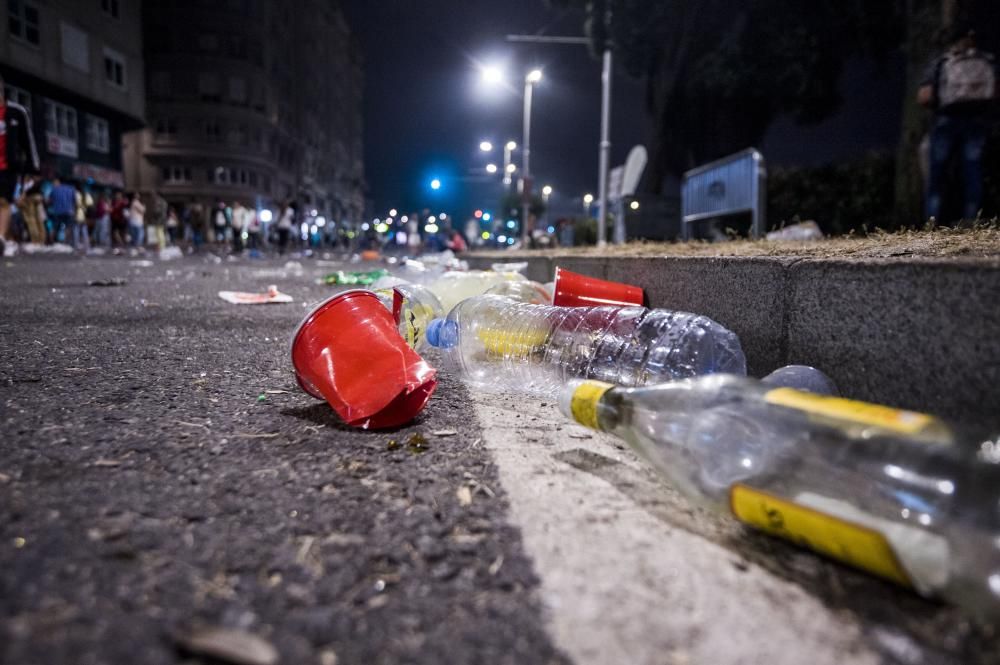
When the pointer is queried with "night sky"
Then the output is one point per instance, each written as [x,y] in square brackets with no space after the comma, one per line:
[426,109]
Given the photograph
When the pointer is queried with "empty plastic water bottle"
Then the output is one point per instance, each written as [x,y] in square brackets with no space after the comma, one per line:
[862,483]
[532,293]
[498,343]
[453,287]
[802,377]
[413,307]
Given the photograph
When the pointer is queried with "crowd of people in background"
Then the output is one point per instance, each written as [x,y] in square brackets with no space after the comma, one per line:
[93,220]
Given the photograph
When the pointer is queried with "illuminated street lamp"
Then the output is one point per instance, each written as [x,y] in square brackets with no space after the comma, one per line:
[435,184]
[492,74]
[392,213]
[547,191]
[485,146]
[508,167]
[634,205]
[587,200]
[491,168]
[533,77]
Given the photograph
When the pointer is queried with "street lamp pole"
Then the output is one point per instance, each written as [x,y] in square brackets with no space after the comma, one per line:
[602,175]
[530,79]
[508,148]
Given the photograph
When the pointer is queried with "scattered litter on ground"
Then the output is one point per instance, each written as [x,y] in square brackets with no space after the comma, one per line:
[277,392]
[113,281]
[802,231]
[107,462]
[444,432]
[141,263]
[272,296]
[170,253]
[31,248]
[392,445]
[417,443]
[265,435]
[355,278]
[229,646]
[464,495]
[261,397]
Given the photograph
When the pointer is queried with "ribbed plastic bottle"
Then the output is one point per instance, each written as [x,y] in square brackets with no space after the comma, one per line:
[414,307]
[529,292]
[453,287]
[875,487]
[498,343]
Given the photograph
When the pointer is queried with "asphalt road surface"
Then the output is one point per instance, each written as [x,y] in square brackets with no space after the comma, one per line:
[168,495]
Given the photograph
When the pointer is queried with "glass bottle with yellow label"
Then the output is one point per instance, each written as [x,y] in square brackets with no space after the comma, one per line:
[878,488]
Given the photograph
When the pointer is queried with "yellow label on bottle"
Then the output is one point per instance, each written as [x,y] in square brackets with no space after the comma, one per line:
[583,406]
[863,413]
[516,342]
[837,538]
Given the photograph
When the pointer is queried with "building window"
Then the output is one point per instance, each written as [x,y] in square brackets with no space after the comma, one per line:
[75,47]
[176,175]
[165,128]
[208,87]
[208,42]
[160,84]
[237,89]
[97,137]
[60,120]
[114,68]
[18,96]
[213,132]
[111,8]
[237,135]
[22,21]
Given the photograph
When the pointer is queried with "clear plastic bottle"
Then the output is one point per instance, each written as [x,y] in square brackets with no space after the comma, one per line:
[453,287]
[414,307]
[862,483]
[802,377]
[498,343]
[529,292]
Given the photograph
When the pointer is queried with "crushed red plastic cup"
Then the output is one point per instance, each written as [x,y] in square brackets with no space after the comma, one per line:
[348,352]
[576,290]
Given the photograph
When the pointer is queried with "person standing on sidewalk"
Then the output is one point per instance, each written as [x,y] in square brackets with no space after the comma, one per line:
[137,221]
[81,233]
[159,220]
[239,225]
[29,205]
[18,156]
[285,224]
[102,212]
[173,225]
[62,207]
[960,88]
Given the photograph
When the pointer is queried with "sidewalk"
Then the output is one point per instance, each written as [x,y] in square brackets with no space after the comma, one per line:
[890,326]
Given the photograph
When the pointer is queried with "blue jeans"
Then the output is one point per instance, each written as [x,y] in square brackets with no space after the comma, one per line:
[965,135]
[138,234]
[65,222]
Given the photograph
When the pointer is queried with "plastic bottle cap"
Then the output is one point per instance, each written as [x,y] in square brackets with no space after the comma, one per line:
[442,333]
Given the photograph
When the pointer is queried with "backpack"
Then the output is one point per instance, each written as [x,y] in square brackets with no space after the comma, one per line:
[968,76]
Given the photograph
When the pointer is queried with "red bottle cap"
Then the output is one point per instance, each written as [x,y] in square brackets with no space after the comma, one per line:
[576,290]
[348,351]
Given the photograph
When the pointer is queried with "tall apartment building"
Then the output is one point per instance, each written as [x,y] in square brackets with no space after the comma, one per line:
[76,65]
[251,100]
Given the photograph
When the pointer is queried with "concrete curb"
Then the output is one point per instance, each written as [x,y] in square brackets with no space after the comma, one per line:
[918,333]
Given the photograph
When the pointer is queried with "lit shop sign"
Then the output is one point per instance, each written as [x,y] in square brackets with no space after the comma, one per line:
[100,175]
[60,145]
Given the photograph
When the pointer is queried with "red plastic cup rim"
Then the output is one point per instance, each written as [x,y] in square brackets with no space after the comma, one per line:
[575,290]
[309,318]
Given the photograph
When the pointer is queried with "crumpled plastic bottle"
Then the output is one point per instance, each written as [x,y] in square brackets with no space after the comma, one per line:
[497,343]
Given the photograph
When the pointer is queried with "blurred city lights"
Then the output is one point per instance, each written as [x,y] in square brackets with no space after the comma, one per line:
[510,241]
[551,229]
[477,214]
[546,190]
[501,238]
[511,145]
[435,184]
[486,235]
[485,146]
[392,213]
[442,216]
[511,223]
[265,216]
[491,168]
[321,221]
[534,76]
[431,219]
[365,226]
[588,198]
[404,219]
[511,168]
[431,228]
[634,205]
